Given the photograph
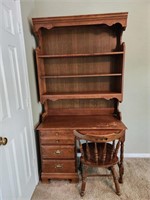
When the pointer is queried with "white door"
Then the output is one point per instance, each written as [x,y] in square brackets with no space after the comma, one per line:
[18,166]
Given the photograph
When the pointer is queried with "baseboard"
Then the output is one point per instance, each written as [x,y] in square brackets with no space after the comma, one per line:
[131,155]
[137,155]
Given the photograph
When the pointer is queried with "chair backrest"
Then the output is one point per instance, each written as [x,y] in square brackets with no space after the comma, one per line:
[101,148]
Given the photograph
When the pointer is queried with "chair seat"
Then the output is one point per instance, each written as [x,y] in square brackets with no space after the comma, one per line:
[90,159]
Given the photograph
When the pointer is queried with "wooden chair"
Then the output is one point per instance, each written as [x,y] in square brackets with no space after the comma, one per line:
[99,150]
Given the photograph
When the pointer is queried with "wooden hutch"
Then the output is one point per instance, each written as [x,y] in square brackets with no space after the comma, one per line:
[80,64]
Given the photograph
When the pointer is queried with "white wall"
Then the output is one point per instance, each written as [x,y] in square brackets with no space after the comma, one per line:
[135,106]
[149,76]
[28,9]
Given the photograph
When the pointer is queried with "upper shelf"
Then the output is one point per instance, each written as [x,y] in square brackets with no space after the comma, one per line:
[82,54]
[108,19]
[80,75]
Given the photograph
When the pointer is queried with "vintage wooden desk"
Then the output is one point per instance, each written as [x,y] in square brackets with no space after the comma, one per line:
[80,65]
[58,147]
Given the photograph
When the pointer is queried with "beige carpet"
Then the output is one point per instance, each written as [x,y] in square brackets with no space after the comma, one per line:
[136,185]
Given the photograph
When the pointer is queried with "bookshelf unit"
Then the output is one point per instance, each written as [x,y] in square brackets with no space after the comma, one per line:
[80,64]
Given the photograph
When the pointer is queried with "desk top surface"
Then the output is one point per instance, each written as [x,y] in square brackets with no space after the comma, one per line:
[81,122]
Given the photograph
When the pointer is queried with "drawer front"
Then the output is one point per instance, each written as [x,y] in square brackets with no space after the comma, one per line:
[57,141]
[58,166]
[56,151]
[57,137]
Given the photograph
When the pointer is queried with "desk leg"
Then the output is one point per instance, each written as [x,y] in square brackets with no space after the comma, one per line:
[121,165]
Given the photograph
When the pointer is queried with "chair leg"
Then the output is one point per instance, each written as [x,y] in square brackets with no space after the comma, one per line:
[121,172]
[80,167]
[113,171]
[121,167]
[84,177]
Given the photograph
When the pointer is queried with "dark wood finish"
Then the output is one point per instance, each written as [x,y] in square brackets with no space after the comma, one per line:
[87,122]
[80,65]
[99,151]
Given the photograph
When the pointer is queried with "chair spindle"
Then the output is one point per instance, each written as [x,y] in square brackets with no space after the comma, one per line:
[96,153]
[104,153]
[117,148]
[87,150]
[113,149]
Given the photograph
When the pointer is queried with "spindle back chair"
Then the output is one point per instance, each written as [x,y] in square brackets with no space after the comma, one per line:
[99,151]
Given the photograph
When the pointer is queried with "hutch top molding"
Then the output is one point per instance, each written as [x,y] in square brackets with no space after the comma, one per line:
[108,19]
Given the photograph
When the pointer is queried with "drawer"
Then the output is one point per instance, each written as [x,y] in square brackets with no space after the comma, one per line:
[57,137]
[57,151]
[57,141]
[58,166]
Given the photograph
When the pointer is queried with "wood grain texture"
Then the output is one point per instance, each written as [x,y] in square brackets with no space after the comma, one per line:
[103,122]
[80,62]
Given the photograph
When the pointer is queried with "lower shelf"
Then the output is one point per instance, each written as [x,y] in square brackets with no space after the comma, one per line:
[94,95]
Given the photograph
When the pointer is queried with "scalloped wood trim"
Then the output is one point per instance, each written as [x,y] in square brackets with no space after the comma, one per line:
[108,19]
[55,97]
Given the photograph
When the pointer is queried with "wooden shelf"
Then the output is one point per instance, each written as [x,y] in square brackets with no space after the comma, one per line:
[82,55]
[79,75]
[92,95]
